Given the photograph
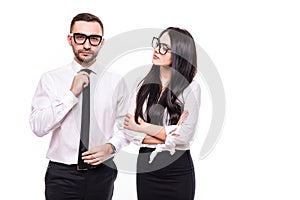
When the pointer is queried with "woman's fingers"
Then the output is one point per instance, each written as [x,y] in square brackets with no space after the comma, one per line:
[183,117]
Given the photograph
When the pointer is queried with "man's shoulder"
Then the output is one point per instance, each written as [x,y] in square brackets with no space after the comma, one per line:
[111,76]
[63,68]
[111,80]
[58,71]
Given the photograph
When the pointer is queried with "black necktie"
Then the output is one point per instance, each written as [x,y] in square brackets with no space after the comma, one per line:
[85,125]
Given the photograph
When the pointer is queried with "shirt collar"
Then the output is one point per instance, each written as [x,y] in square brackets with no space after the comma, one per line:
[77,67]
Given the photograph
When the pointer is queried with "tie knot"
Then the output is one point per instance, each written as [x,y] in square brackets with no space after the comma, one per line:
[86,70]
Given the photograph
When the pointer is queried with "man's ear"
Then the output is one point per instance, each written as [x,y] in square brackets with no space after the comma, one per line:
[102,42]
[69,38]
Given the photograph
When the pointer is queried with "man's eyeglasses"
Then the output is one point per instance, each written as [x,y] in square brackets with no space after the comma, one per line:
[80,38]
[162,47]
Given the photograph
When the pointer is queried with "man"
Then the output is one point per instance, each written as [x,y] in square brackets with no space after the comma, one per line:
[80,165]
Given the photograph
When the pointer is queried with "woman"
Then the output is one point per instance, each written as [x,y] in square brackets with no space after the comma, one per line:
[164,117]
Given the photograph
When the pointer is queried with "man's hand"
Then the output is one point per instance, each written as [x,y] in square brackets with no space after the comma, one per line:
[98,155]
[80,81]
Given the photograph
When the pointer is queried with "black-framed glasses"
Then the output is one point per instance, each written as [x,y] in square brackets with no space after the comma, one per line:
[80,38]
[162,47]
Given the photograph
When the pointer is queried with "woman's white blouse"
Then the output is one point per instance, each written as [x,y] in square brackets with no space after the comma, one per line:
[191,98]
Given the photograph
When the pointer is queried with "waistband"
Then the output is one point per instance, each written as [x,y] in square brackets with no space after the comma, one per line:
[149,150]
[75,166]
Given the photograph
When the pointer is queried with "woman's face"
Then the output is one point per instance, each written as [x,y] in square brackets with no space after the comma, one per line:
[164,44]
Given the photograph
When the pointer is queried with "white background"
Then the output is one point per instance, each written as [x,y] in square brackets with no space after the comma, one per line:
[255,46]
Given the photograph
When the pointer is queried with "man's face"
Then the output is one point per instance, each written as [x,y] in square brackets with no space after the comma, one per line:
[85,54]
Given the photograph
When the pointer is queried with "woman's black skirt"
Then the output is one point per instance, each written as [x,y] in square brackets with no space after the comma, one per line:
[167,177]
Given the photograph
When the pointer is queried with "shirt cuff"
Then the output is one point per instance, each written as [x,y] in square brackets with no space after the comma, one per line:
[171,129]
[135,137]
[138,139]
[118,142]
[70,99]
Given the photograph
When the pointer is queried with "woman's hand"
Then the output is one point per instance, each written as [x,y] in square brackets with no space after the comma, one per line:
[150,129]
[183,116]
[152,140]
[157,132]
[130,124]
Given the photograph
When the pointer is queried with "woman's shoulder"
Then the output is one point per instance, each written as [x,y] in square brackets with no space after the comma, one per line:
[193,86]
[192,89]
[194,83]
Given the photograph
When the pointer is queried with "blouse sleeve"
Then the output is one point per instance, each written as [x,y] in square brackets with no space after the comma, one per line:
[138,137]
[184,134]
[133,136]
[181,136]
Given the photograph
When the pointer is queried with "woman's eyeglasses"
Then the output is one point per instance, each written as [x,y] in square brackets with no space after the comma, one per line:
[162,47]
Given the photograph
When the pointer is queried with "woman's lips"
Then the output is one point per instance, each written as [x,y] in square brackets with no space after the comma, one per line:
[155,57]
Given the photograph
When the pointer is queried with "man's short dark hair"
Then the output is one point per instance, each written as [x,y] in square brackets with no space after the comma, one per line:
[88,18]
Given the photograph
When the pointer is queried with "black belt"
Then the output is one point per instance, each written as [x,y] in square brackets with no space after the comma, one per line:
[76,167]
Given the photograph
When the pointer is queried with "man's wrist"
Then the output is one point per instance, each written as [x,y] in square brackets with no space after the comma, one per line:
[112,147]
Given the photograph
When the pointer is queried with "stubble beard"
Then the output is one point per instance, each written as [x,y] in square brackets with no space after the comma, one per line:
[85,60]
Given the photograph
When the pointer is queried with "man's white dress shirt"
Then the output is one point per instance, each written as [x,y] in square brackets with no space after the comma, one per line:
[56,111]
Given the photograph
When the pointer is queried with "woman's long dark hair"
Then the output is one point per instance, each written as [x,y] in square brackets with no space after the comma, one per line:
[184,67]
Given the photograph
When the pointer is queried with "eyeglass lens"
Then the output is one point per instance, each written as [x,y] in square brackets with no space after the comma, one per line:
[162,48]
[94,40]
